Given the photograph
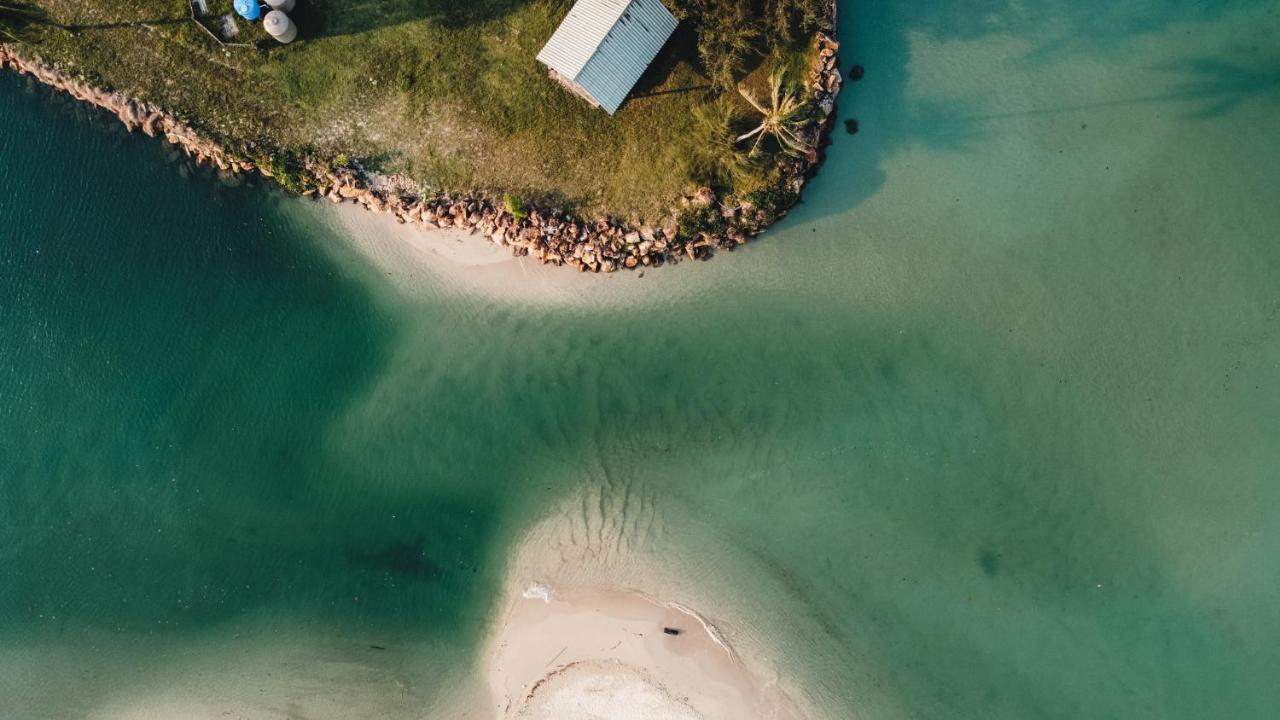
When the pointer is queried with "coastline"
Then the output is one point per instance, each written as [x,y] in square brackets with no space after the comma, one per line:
[580,629]
[697,227]
[581,652]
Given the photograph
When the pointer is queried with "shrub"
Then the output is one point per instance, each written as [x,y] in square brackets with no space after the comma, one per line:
[716,160]
[695,219]
[515,207]
[288,169]
[772,201]
[731,33]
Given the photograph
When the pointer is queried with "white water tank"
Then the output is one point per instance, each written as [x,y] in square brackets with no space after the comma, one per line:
[281,5]
[280,27]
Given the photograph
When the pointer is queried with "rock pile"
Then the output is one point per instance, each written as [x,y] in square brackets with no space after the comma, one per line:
[135,115]
[603,245]
[549,236]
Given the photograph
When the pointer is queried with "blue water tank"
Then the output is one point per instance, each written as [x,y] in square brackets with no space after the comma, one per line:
[248,9]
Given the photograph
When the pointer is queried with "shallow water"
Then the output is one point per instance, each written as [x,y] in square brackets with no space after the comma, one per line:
[986,428]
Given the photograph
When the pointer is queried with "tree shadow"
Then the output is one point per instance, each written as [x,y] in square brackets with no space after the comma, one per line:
[1215,87]
[75,28]
[672,91]
[1223,86]
[330,18]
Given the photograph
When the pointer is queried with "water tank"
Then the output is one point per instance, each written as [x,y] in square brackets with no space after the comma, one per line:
[281,5]
[247,9]
[280,27]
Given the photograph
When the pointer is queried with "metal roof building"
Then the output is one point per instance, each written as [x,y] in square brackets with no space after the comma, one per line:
[604,46]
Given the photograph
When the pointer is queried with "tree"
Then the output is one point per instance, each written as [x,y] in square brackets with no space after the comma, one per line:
[733,33]
[783,118]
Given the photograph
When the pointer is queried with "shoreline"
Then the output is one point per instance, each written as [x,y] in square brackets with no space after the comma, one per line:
[579,652]
[579,629]
[549,236]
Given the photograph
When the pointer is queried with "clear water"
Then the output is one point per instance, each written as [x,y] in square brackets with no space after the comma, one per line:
[987,428]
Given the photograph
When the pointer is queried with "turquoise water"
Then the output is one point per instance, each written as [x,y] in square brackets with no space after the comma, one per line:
[986,428]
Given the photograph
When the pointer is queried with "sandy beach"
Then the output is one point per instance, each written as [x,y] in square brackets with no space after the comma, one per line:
[453,262]
[591,653]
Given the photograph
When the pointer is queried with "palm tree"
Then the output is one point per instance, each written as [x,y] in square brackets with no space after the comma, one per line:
[783,118]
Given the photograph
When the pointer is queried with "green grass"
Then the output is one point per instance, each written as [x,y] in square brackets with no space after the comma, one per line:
[448,93]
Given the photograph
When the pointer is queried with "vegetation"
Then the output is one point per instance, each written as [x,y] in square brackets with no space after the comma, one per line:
[771,201]
[515,207]
[448,93]
[731,34]
[783,119]
[21,22]
[287,168]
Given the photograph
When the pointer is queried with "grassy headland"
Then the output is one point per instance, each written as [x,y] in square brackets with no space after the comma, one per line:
[449,93]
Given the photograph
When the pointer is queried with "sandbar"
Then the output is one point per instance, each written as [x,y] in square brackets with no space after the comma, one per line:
[589,653]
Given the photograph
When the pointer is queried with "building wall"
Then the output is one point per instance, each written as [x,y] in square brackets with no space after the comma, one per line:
[627,51]
[618,39]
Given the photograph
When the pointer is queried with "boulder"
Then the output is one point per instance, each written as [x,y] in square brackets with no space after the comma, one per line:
[149,124]
[670,227]
[704,197]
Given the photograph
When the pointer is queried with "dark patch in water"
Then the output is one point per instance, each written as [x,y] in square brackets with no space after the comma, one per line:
[889,371]
[402,558]
[989,561]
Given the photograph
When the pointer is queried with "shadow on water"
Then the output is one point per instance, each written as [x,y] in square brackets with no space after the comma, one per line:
[878,36]
[1215,87]
[194,351]
[408,558]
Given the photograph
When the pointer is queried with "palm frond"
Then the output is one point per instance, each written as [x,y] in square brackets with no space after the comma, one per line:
[782,118]
[746,94]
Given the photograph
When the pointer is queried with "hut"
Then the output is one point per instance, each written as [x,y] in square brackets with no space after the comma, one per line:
[604,46]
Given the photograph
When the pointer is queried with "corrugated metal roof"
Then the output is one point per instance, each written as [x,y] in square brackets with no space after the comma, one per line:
[606,45]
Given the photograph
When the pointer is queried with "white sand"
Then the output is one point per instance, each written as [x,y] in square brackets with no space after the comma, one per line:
[594,654]
[587,691]
[429,262]
[419,263]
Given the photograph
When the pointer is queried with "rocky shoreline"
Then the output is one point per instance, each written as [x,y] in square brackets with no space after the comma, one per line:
[697,228]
